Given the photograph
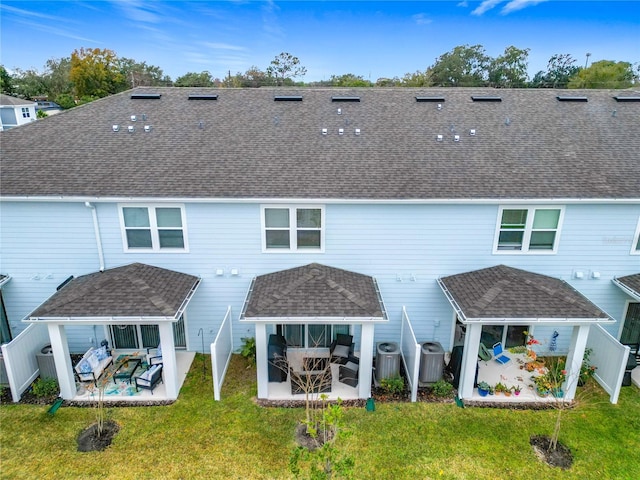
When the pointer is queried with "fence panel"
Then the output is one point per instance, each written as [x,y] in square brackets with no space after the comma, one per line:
[410,349]
[610,357]
[19,357]
[221,350]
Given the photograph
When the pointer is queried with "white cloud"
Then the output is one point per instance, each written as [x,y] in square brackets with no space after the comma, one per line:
[462,4]
[485,6]
[223,46]
[515,5]
[421,19]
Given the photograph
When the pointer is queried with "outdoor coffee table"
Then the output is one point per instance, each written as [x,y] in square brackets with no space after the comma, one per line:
[126,369]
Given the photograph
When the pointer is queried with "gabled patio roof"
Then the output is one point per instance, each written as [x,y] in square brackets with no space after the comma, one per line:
[135,293]
[313,293]
[508,295]
[629,285]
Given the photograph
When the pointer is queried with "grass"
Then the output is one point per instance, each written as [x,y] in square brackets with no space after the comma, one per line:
[236,439]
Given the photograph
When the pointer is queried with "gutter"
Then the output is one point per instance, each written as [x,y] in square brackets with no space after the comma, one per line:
[96,229]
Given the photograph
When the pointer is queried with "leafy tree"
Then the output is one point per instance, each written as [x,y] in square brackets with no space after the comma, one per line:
[58,78]
[285,67]
[416,79]
[65,100]
[349,80]
[604,74]
[509,70]
[138,74]
[192,79]
[388,82]
[6,82]
[29,84]
[254,77]
[464,66]
[95,72]
[560,69]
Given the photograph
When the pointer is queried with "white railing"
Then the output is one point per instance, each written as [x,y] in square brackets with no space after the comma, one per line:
[20,358]
[410,349]
[221,350]
[610,357]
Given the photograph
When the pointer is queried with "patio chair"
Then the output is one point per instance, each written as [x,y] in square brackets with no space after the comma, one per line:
[348,373]
[498,355]
[341,348]
[150,378]
[156,358]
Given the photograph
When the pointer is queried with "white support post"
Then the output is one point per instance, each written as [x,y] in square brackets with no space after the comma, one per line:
[366,360]
[64,369]
[469,360]
[169,362]
[262,362]
[578,344]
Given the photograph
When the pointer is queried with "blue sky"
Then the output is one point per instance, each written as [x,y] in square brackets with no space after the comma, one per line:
[369,38]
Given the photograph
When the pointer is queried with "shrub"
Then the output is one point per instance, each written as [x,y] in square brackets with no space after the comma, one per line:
[442,388]
[45,387]
[392,385]
[248,350]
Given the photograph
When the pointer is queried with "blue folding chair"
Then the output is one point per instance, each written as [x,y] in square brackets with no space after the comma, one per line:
[498,355]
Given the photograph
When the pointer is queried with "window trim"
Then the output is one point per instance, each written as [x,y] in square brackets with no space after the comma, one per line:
[293,228]
[153,226]
[636,239]
[528,229]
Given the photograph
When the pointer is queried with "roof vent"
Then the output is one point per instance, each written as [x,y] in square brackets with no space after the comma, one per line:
[345,99]
[201,96]
[626,99]
[287,98]
[324,131]
[146,96]
[339,111]
[115,128]
[201,125]
[439,138]
[567,98]
[357,131]
[133,118]
[147,128]
[476,98]
[131,128]
[472,132]
[341,131]
[439,107]
[456,138]
[430,99]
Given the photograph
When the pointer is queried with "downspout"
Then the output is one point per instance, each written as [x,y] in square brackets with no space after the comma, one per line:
[97,232]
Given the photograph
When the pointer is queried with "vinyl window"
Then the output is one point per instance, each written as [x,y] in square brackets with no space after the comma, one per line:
[528,230]
[293,229]
[153,228]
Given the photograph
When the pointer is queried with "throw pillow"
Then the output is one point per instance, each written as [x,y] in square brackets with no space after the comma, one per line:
[93,361]
[84,367]
[101,353]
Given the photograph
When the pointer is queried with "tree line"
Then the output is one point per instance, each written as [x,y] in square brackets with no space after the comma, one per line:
[91,73]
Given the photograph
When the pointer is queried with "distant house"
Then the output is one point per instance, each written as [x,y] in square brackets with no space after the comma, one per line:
[455,215]
[15,112]
[50,108]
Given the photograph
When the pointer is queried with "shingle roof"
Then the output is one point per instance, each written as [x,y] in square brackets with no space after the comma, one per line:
[503,292]
[14,101]
[135,290]
[632,282]
[313,290]
[246,145]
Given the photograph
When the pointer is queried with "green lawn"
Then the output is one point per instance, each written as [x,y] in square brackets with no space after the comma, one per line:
[235,439]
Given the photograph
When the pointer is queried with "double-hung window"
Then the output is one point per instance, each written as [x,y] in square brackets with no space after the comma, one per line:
[528,229]
[25,112]
[153,228]
[292,228]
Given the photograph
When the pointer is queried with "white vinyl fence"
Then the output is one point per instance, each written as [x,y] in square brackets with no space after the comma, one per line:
[610,357]
[410,349]
[19,357]
[221,350]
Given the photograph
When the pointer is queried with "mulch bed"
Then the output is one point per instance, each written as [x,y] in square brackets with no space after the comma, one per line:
[90,441]
[560,457]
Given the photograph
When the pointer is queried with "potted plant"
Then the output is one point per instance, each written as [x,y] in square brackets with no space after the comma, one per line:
[516,390]
[483,388]
[500,387]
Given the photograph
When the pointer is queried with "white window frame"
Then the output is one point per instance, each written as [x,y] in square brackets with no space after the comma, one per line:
[636,238]
[305,332]
[528,229]
[153,226]
[25,112]
[293,229]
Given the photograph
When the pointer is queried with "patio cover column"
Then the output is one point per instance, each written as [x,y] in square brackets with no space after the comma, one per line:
[578,344]
[169,363]
[64,369]
[262,360]
[366,360]
[469,360]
